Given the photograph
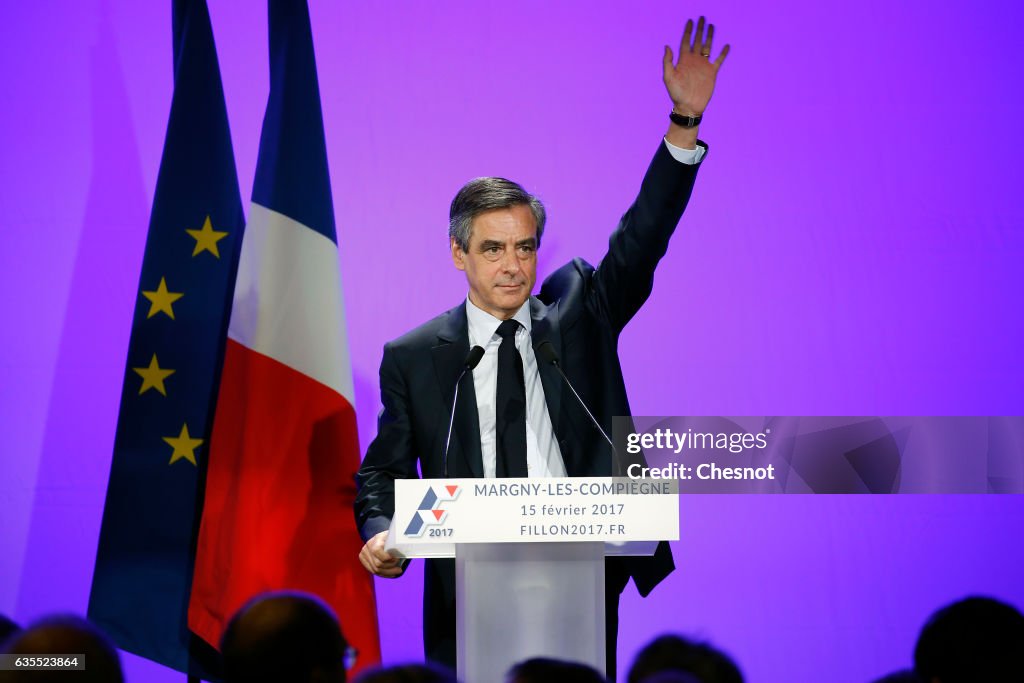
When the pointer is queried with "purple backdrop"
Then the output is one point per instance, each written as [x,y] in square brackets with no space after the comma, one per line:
[849,250]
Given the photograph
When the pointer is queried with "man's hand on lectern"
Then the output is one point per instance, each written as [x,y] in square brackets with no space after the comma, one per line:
[378,561]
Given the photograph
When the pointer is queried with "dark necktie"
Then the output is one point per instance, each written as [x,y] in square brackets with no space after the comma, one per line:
[510,407]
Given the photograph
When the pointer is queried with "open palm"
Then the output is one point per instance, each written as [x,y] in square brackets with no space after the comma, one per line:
[691,80]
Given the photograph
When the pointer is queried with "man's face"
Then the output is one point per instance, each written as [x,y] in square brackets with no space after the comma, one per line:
[501,263]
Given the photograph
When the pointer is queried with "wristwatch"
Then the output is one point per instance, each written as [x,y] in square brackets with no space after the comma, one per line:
[684,121]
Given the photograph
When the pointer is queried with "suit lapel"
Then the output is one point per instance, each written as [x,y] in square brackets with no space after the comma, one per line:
[545,328]
[449,355]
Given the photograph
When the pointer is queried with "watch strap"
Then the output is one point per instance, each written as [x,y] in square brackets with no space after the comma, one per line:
[684,121]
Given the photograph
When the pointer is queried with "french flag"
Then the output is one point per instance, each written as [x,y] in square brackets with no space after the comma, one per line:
[284,449]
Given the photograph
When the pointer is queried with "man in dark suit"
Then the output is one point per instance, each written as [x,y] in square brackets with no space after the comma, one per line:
[513,416]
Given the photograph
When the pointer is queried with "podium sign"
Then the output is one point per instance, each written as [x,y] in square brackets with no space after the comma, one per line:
[530,557]
[434,513]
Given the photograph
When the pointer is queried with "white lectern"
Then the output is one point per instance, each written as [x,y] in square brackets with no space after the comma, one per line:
[529,558]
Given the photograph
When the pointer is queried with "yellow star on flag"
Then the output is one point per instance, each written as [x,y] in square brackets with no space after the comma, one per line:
[160,300]
[206,239]
[184,446]
[153,377]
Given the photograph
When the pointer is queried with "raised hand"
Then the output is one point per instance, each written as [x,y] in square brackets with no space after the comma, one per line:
[691,80]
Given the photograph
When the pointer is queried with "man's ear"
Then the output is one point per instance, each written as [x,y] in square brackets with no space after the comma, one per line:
[458,256]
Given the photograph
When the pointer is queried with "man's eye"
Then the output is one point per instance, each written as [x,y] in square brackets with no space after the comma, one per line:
[526,248]
[492,250]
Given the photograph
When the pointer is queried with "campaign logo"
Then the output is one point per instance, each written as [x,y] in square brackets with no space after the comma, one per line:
[429,513]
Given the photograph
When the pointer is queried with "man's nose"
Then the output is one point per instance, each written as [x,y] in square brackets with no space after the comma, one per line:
[510,262]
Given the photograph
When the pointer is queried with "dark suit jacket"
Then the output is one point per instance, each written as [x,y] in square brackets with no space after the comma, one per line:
[581,311]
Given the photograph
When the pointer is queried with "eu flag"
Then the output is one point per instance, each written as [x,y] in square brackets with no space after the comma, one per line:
[145,559]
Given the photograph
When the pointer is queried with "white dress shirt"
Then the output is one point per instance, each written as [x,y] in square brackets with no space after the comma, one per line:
[543,456]
[685,156]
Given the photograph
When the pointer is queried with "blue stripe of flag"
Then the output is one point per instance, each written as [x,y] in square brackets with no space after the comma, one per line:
[291,174]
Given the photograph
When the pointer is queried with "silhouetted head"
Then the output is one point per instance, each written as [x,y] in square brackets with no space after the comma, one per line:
[408,673]
[676,653]
[7,629]
[544,670]
[285,637]
[974,640]
[903,676]
[67,635]
[671,677]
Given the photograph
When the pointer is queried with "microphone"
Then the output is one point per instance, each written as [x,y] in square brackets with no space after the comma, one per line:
[472,360]
[546,353]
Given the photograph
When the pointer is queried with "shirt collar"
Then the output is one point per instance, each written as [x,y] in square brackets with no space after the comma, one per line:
[483,325]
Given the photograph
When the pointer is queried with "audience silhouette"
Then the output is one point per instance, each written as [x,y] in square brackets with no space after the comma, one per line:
[284,637]
[545,670]
[674,653]
[408,673]
[293,637]
[902,676]
[65,634]
[7,629]
[974,640]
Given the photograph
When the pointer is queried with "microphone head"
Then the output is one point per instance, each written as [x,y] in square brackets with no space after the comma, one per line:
[474,356]
[546,352]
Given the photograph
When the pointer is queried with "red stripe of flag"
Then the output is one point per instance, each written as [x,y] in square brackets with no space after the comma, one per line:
[278,511]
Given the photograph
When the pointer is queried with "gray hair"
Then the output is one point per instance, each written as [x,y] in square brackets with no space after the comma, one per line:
[487,194]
